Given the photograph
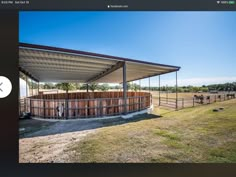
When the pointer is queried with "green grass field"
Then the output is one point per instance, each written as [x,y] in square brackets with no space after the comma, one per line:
[189,135]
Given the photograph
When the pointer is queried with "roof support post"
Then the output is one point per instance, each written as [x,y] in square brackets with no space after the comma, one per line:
[124,88]
[32,90]
[26,82]
[149,84]
[140,85]
[176,90]
[38,88]
[87,87]
[150,91]
[57,93]
[159,90]
[132,85]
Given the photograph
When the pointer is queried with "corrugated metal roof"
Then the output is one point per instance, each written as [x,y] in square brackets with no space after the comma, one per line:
[51,64]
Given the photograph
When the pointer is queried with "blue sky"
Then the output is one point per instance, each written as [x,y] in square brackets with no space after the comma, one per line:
[202,43]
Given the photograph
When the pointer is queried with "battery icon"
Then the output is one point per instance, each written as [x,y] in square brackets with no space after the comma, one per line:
[231,2]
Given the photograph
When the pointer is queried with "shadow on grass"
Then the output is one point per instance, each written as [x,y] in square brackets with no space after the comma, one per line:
[34,128]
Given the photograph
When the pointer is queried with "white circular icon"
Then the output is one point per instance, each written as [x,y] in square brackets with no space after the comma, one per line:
[5,87]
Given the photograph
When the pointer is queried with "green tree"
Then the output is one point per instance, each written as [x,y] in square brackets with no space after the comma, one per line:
[66,86]
[136,87]
[41,86]
[195,89]
[117,87]
[78,86]
[104,87]
[129,86]
[48,86]
[204,89]
[93,87]
[83,87]
[34,85]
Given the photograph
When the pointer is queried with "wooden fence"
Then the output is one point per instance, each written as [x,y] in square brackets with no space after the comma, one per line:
[192,102]
[86,105]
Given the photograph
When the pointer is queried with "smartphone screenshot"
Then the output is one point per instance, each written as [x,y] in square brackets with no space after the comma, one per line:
[118,88]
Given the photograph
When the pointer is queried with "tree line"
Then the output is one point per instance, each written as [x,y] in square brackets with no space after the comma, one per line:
[135,87]
[92,86]
[204,88]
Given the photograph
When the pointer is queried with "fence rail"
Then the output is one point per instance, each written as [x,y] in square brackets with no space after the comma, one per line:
[181,103]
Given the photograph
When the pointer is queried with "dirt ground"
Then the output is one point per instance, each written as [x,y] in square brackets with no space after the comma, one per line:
[48,141]
[45,141]
[48,149]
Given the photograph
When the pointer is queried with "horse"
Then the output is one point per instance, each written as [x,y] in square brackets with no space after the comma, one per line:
[199,98]
[231,95]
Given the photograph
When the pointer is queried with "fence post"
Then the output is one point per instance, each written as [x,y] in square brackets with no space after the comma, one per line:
[25,104]
[215,98]
[193,101]
[30,107]
[67,109]
[176,104]
[182,102]
[145,101]
[150,97]
[139,101]
[44,109]
[101,108]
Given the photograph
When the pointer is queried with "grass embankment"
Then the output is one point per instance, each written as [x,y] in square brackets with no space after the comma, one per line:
[189,135]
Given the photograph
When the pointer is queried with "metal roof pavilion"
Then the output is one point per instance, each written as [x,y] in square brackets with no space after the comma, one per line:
[52,64]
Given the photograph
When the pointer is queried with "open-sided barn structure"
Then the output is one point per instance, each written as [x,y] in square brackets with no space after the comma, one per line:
[51,64]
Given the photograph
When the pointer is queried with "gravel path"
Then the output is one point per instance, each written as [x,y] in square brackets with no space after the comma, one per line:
[50,148]
[35,128]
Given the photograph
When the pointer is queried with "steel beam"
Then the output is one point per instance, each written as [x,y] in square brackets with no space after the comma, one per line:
[108,71]
[152,75]
[28,74]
